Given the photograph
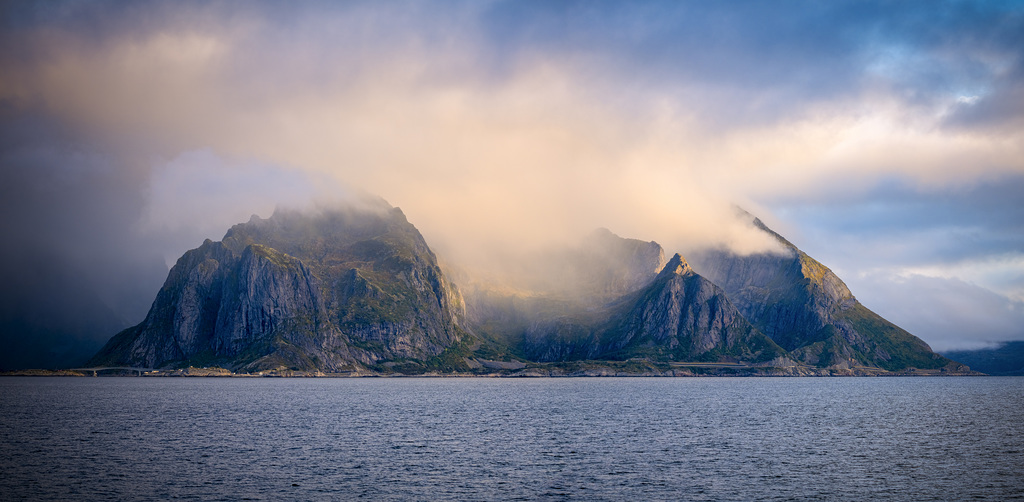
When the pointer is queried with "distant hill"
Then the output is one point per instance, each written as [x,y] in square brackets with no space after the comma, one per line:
[1005,360]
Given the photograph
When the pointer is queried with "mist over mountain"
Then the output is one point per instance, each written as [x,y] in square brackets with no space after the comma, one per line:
[308,292]
[809,311]
[357,290]
[676,316]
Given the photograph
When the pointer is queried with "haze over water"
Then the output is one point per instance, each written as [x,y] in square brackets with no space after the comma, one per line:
[512,439]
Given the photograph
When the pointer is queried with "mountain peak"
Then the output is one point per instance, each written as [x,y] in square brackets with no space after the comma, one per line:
[677,266]
[334,290]
[807,309]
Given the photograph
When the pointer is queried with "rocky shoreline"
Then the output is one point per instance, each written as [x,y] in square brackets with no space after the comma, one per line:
[587,369]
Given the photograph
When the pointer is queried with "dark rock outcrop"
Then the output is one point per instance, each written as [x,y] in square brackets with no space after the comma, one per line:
[685,317]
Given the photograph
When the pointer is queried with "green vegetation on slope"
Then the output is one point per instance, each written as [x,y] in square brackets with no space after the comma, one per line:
[894,348]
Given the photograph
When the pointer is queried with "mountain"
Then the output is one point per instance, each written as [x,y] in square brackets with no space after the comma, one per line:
[336,291]
[678,316]
[358,291]
[567,286]
[1004,360]
[617,299]
[686,317]
[808,310]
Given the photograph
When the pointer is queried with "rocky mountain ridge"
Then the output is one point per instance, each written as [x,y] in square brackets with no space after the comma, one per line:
[358,291]
[332,292]
[808,310]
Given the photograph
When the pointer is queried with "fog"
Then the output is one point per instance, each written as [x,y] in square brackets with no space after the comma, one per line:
[131,132]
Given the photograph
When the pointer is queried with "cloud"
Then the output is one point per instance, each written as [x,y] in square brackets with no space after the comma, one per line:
[199,195]
[544,142]
[503,127]
[948,313]
[1002,274]
[531,158]
[71,271]
[896,223]
[944,263]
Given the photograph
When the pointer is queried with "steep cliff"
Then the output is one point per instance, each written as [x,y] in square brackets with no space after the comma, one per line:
[805,308]
[358,289]
[685,317]
[679,316]
[328,292]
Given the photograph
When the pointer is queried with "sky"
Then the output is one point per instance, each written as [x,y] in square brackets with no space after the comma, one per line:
[885,139]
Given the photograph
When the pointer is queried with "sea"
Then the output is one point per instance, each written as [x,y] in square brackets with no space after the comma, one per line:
[715,439]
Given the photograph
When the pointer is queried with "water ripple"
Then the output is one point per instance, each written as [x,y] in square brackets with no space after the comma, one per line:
[482,439]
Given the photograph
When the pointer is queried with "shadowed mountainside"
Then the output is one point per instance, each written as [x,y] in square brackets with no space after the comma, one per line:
[358,291]
[677,316]
[329,292]
[808,310]
[1004,360]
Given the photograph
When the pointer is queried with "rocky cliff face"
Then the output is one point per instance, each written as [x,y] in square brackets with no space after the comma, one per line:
[679,316]
[328,292]
[359,289]
[685,317]
[805,308]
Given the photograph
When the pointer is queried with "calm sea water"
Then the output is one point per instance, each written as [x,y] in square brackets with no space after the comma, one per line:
[512,439]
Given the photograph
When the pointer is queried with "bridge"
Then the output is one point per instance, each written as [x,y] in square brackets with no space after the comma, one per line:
[98,369]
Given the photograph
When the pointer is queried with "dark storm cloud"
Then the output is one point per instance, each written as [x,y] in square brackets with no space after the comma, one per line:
[742,44]
[72,271]
[991,56]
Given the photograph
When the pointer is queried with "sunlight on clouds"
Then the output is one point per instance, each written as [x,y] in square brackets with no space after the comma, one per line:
[538,156]
[1003,274]
[159,83]
[822,155]
[946,312]
[199,195]
[924,153]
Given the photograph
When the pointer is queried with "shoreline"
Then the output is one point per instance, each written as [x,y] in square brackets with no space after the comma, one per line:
[689,370]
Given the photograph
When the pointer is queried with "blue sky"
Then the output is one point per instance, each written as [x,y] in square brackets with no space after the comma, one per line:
[885,139]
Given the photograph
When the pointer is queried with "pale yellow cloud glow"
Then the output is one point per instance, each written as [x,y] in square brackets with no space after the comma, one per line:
[538,157]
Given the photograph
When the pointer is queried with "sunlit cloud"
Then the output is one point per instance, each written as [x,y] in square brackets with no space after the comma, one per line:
[539,152]
[948,313]
[507,127]
[1003,274]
